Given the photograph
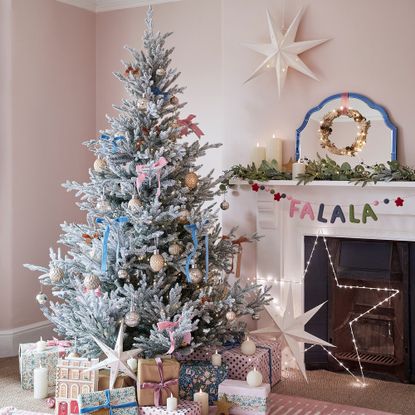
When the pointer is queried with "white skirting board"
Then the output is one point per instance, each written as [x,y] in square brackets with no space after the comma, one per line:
[10,339]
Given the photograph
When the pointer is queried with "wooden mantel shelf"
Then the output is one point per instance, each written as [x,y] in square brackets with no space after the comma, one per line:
[326,183]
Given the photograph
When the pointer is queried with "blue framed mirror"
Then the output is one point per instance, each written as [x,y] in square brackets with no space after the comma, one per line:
[347,127]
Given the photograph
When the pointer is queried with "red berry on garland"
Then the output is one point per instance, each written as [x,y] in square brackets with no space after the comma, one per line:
[277,196]
[255,187]
[399,201]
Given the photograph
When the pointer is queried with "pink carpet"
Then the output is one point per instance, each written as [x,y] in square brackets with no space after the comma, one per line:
[292,405]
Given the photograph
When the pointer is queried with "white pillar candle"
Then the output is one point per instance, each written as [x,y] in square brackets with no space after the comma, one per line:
[258,155]
[216,359]
[40,382]
[274,151]
[132,364]
[254,378]
[171,403]
[41,345]
[248,347]
[298,168]
[203,399]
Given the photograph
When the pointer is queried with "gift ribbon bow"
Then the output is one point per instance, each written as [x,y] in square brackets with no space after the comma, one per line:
[157,91]
[170,326]
[113,140]
[59,343]
[142,172]
[88,238]
[97,291]
[119,220]
[187,125]
[107,405]
[159,387]
[238,242]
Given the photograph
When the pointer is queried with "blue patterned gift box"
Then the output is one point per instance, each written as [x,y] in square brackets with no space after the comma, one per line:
[200,375]
[114,402]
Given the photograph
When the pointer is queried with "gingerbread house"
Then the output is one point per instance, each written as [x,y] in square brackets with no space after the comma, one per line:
[71,380]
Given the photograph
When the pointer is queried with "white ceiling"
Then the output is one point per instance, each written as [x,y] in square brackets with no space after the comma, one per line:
[106,5]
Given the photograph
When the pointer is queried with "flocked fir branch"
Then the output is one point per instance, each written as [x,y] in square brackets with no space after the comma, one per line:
[145,204]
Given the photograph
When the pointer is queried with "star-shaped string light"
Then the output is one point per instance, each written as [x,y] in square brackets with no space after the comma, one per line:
[291,329]
[223,406]
[283,51]
[116,359]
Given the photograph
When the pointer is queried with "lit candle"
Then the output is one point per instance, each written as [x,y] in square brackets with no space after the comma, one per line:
[298,168]
[41,345]
[254,378]
[171,403]
[216,359]
[132,364]
[203,399]
[259,155]
[274,151]
[40,382]
[248,347]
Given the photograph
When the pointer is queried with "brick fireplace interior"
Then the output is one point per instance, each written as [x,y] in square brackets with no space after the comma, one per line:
[384,337]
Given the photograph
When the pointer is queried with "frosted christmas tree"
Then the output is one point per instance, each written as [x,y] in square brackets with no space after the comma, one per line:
[152,251]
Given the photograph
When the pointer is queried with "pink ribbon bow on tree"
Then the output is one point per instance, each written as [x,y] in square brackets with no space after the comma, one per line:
[187,125]
[170,326]
[142,172]
[159,387]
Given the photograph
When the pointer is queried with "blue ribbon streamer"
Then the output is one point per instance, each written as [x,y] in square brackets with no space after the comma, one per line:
[119,220]
[157,91]
[107,405]
[192,228]
[114,141]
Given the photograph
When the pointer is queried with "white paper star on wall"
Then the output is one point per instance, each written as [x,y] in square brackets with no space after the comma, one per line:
[116,359]
[283,51]
[291,329]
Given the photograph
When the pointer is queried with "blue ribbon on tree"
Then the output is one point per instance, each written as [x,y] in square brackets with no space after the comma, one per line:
[114,141]
[107,405]
[157,91]
[119,220]
[193,229]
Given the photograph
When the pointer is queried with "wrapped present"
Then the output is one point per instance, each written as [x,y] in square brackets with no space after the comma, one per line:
[246,400]
[109,402]
[267,359]
[184,408]
[200,375]
[200,354]
[122,381]
[156,380]
[30,358]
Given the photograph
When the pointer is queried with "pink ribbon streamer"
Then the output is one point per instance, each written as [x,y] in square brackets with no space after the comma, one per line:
[187,125]
[142,172]
[159,387]
[170,326]
[345,102]
[57,342]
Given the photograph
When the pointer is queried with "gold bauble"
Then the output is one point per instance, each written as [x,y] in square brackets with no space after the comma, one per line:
[175,249]
[174,100]
[91,282]
[191,180]
[184,216]
[100,165]
[142,104]
[56,274]
[134,203]
[156,261]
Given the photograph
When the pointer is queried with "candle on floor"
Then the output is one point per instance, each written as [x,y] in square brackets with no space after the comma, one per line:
[216,359]
[259,155]
[40,382]
[274,151]
[171,403]
[298,168]
[254,378]
[203,399]
[248,347]
[41,345]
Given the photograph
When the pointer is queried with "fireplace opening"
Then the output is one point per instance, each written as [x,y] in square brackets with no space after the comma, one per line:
[382,335]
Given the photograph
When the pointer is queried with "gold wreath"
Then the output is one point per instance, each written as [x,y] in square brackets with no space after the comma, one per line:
[326,129]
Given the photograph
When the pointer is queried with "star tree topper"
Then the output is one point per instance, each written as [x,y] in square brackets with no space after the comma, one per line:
[283,51]
[291,329]
[116,359]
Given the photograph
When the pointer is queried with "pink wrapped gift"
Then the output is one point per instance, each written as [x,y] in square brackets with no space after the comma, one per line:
[183,408]
[267,359]
[246,399]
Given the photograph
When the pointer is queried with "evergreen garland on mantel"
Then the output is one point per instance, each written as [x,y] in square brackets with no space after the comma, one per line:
[323,169]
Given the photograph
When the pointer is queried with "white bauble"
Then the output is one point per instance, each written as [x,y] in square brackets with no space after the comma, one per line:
[184,216]
[134,204]
[142,104]
[56,274]
[91,282]
[100,165]
[175,249]
[196,275]
[160,72]
[41,298]
[156,261]
[132,318]
[123,274]
[230,316]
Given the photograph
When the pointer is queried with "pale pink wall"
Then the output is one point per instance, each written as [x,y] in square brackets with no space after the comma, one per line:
[53,111]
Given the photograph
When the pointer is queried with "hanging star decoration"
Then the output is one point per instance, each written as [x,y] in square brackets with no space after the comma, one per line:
[223,405]
[291,330]
[116,359]
[283,51]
